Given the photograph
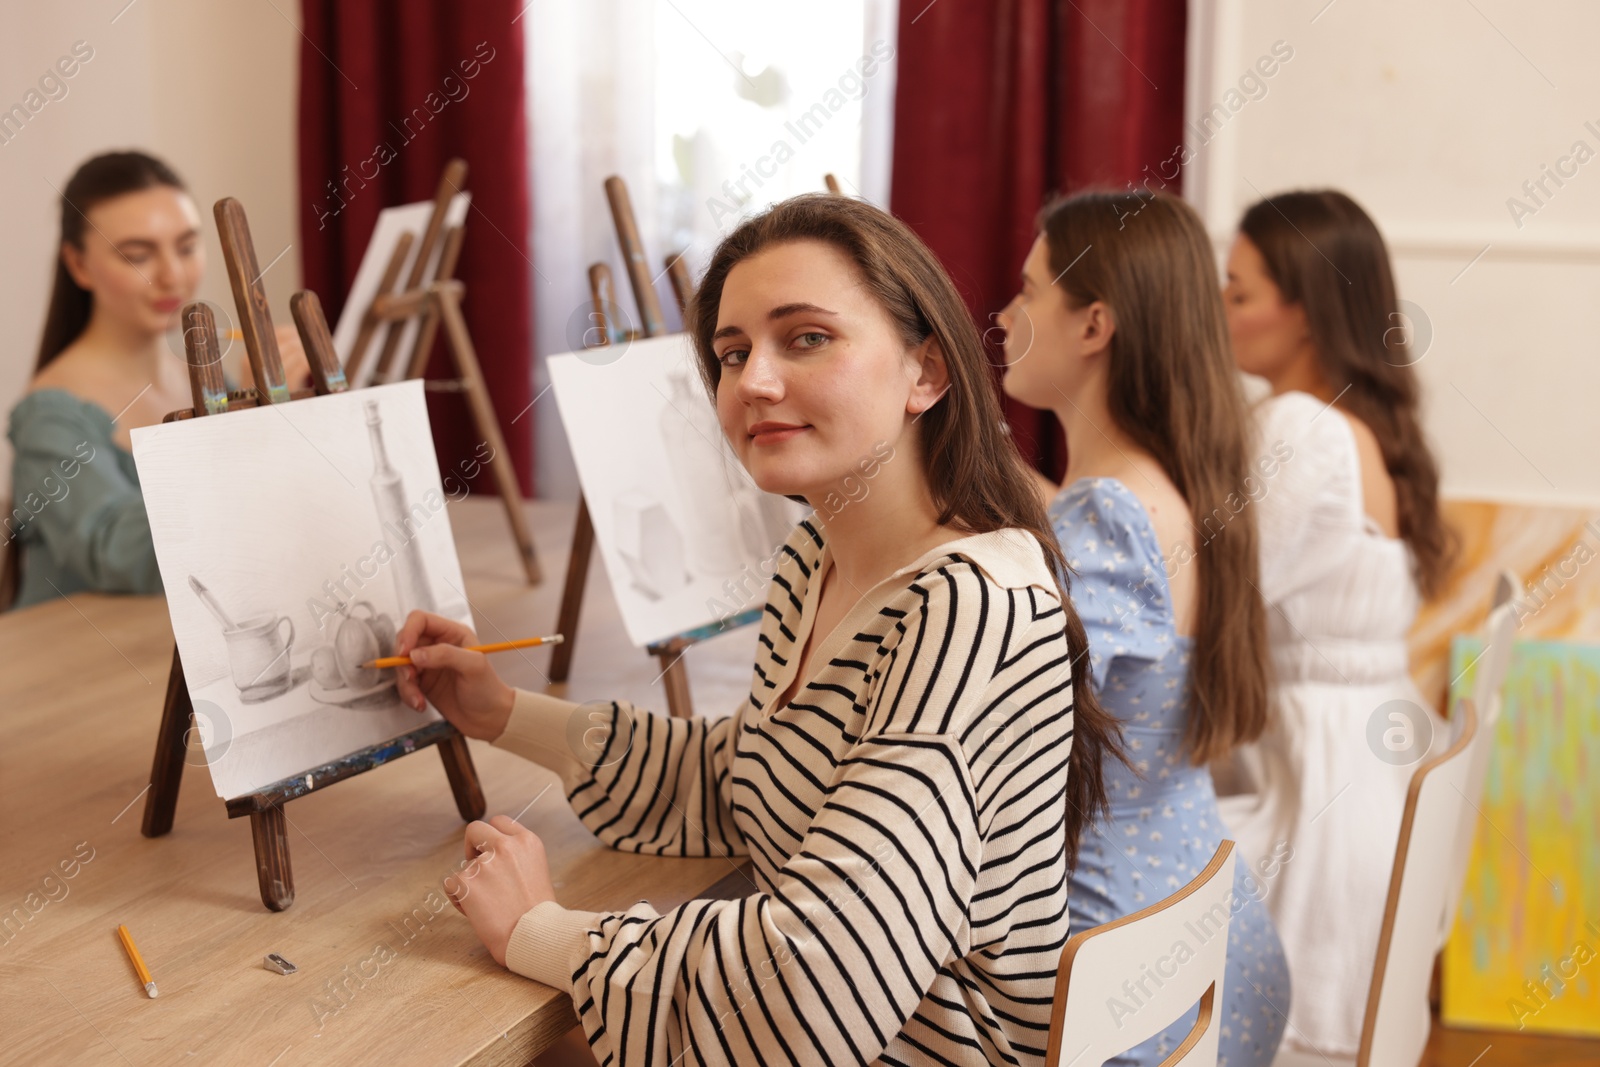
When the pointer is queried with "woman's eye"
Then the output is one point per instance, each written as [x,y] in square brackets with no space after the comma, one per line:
[812,340]
[733,357]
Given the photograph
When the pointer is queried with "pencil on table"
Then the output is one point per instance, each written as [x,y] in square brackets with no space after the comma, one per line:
[138,961]
[499,646]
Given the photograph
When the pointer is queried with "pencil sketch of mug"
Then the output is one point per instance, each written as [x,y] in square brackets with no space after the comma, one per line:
[258,653]
[258,649]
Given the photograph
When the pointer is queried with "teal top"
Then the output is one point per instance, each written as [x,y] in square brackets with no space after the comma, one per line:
[76,509]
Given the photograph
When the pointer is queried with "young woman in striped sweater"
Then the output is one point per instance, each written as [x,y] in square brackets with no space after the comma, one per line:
[915,761]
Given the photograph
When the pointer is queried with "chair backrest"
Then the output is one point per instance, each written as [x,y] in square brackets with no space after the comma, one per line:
[1124,982]
[1495,659]
[1397,1022]
[1493,664]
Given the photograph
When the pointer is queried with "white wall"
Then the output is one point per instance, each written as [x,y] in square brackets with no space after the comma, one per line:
[209,87]
[1432,114]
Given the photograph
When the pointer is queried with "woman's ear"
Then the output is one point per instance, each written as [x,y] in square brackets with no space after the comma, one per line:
[1302,321]
[72,258]
[933,376]
[1099,325]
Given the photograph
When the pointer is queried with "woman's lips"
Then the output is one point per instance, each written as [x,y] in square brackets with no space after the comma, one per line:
[166,307]
[776,436]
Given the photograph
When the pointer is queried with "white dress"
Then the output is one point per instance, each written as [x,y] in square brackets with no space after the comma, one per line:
[1347,725]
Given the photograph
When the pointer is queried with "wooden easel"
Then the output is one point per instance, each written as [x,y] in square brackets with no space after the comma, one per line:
[268,826]
[430,302]
[669,652]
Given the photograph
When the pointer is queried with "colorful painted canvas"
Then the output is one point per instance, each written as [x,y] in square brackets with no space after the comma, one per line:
[1525,951]
[1553,550]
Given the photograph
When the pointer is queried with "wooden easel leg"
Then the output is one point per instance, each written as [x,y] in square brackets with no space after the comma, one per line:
[430,319]
[675,676]
[463,777]
[446,297]
[270,833]
[369,321]
[572,592]
[166,771]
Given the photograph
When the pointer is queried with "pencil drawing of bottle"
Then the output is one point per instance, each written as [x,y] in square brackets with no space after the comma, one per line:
[399,524]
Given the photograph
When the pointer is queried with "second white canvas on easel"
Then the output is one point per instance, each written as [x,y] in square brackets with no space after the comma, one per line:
[686,536]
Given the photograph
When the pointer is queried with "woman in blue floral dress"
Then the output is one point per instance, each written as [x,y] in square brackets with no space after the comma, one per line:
[1119,329]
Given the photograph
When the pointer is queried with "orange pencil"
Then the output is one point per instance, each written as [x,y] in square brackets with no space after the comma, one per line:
[500,646]
[138,961]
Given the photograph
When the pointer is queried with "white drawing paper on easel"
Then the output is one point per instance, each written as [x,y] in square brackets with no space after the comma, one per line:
[686,535]
[292,540]
[392,223]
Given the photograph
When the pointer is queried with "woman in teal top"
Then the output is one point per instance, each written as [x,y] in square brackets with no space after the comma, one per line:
[1119,329]
[130,257]
[81,526]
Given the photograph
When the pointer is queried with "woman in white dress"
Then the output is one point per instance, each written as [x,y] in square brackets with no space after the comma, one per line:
[1351,541]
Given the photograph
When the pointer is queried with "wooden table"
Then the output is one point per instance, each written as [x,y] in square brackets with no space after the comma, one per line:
[80,699]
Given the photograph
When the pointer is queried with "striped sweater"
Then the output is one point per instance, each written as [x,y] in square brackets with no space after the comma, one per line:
[904,815]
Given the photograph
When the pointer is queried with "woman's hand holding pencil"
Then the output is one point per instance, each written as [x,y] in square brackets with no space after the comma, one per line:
[455,678]
[499,646]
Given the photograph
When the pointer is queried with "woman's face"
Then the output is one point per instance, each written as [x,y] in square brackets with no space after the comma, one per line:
[142,257]
[1268,332]
[1047,341]
[814,371]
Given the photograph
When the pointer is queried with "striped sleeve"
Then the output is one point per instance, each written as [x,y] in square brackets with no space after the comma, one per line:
[836,963]
[657,784]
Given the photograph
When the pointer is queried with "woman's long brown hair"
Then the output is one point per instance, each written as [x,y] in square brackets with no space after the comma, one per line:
[1324,253]
[101,178]
[1172,388]
[978,478]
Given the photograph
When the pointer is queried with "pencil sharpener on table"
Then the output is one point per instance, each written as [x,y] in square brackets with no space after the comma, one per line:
[278,965]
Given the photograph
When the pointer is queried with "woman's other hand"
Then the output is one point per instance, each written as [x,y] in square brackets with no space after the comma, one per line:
[509,874]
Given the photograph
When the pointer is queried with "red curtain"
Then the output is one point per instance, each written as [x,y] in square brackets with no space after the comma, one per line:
[998,105]
[389,92]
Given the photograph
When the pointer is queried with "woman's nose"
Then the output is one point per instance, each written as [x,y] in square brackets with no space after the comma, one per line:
[168,270]
[761,377]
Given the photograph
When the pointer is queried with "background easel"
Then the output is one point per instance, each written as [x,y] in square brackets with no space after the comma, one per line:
[669,652]
[268,825]
[430,302]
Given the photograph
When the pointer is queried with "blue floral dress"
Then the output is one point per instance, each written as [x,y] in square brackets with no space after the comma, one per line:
[1163,827]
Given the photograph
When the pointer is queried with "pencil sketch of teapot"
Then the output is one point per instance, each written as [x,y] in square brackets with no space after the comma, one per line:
[338,669]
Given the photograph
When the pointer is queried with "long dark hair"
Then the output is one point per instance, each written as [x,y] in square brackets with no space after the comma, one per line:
[1324,253]
[1172,387]
[101,178]
[979,480]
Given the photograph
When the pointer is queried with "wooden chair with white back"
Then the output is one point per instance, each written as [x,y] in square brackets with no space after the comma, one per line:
[1430,864]
[1125,952]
